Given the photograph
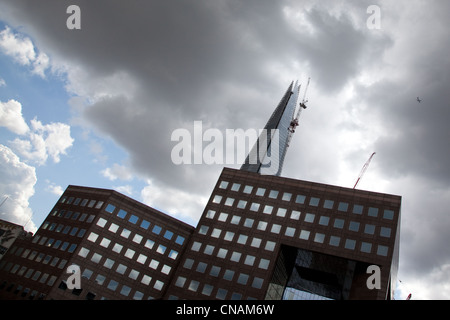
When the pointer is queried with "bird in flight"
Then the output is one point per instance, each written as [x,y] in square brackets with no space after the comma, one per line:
[419,100]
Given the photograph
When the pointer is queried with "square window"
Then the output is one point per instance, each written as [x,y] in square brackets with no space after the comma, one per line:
[217,199]
[125,290]
[108,263]
[196,246]
[243,278]
[319,237]
[180,282]
[188,264]
[385,232]
[208,250]
[300,199]
[121,268]
[268,209]
[366,247]
[146,279]
[334,241]
[314,202]
[295,215]
[158,285]
[289,232]
[328,204]
[324,220]
[264,264]
[154,264]
[235,220]
[357,209]
[179,240]
[350,244]
[373,212]
[201,267]
[309,217]
[112,285]
[137,238]
[145,224]
[207,289]
[83,252]
[242,239]
[141,258]
[343,206]
[157,229]
[369,229]
[388,214]
[110,208]
[223,217]
[273,194]
[257,283]
[241,204]
[248,189]
[254,206]
[270,245]
[235,187]
[210,214]
[133,219]
[122,214]
[262,225]
[173,254]
[100,279]
[149,244]
[223,185]
[353,226]
[275,228]
[229,202]
[113,227]
[222,253]
[260,191]
[216,233]
[281,212]
[229,236]
[130,253]
[125,233]
[304,234]
[228,275]
[221,294]
[338,223]
[117,248]
[235,256]
[92,237]
[248,222]
[286,196]
[249,260]
[101,222]
[105,242]
[382,250]
[203,230]
[161,249]
[215,270]
[256,242]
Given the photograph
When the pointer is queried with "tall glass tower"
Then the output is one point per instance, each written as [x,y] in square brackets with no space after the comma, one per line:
[267,155]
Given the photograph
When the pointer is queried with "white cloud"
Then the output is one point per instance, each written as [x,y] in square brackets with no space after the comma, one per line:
[127,189]
[17,183]
[117,172]
[2,82]
[11,117]
[22,50]
[55,189]
[45,140]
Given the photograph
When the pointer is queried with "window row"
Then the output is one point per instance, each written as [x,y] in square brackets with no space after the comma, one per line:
[20,290]
[299,199]
[81,202]
[64,229]
[135,220]
[135,237]
[275,228]
[83,217]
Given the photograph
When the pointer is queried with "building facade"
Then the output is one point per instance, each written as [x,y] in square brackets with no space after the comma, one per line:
[124,250]
[267,237]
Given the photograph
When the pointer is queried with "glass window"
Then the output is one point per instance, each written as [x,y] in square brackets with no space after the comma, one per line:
[287,196]
[207,289]
[289,232]
[210,214]
[215,270]
[145,224]
[319,237]
[385,232]
[357,209]
[373,212]
[130,253]
[295,215]
[350,244]
[113,227]
[229,236]
[96,258]
[122,214]
[157,229]
[101,222]
[221,294]
[314,201]
[338,223]
[248,223]
[242,239]
[273,194]
[180,282]
[249,260]
[248,189]
[262,225]
[328,204]
[223,216]
[275,228]
[217,199]
[121,268]
[179,240]
[268,209]
[304,234]
[257,283]
[125,233]
[300,199]
[241,204]
[201,267]
[223,185]
[243,278]
[216,233]
[366,247]
[196,246]
[137,238]
[235,256]
[382,250]
[235,187]
[110,208]
[105,242]
[208,249]
[369,229]
[324,220]
[92,237]
[125,290]
[388,214]
[228,275]
[112,285]
[264,264]
[254,206]
[149,243]
[161,249]
[334,241]
[154,264]
[100,279]
[281,212]
[203,230]
[83,252]
[343,206]
[133,219]
[117,248]
[141,258]
[174,254]
[235,220]
[309,217]
[188,264]
[146,279]
[353,226]
[222,253]
[168,235]
[260,191]
[256,242]
[270,246]
[229,202]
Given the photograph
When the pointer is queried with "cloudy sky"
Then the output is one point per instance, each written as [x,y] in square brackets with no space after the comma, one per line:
[97,106]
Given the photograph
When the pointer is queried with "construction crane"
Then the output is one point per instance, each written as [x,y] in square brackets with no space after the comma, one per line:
[294,122]
[363,170]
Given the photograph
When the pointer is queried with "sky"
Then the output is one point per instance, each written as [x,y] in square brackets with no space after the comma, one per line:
[97,106]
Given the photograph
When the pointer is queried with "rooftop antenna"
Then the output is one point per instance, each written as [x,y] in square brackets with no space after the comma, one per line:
[294,122]
[363,170]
